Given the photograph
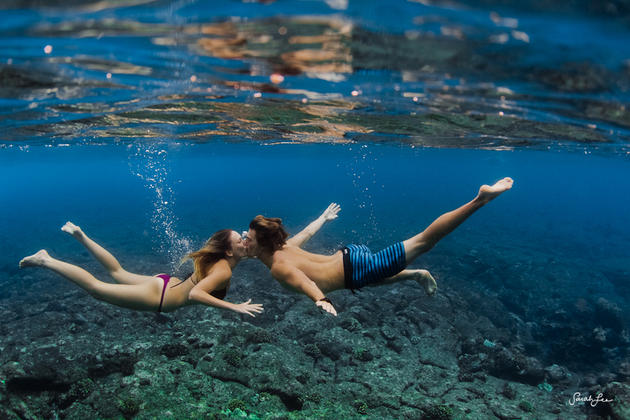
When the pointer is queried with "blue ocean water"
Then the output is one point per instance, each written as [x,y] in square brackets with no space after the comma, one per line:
[154,124]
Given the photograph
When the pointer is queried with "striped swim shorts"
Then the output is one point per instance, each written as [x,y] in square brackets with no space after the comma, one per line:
[362,267]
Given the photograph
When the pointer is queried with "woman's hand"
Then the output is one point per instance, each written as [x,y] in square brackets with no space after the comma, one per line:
[327,306]
[331,212]
[248,308]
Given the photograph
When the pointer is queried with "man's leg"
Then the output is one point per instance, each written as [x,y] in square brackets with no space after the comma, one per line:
[423,277]
[447,222]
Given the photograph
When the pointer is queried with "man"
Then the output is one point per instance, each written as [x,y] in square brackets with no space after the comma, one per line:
[354,266]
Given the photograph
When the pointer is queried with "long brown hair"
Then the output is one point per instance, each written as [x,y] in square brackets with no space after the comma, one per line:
[216,248]
[270,233]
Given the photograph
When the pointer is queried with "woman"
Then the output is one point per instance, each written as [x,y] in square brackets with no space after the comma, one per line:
[207,285]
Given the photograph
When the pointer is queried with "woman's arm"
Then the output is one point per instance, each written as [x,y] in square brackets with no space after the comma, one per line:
[218,276]
[307,233]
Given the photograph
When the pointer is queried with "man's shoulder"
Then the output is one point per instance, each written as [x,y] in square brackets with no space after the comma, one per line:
[283,254]
[281,261]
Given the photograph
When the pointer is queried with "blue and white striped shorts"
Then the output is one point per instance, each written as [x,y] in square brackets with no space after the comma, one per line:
[362,267]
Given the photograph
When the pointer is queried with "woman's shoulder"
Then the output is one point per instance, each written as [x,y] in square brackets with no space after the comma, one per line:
[220,266]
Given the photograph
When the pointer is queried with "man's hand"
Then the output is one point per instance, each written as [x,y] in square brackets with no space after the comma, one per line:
[331,212]
[327,306]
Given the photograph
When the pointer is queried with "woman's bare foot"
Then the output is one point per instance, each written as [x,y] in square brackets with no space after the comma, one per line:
[487,192]
[72,229]
[35,260]
[426,280]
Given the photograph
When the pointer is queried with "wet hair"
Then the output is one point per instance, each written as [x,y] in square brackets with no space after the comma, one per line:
[270,233]
[215,249]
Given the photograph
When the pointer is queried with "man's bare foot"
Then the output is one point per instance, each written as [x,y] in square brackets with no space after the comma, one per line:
[487,192]
[426,280]
[72,229]
[35,260]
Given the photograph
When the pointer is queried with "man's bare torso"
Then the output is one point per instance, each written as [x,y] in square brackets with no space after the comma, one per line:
[326,271]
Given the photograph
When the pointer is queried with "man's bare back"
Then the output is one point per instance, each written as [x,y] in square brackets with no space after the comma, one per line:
[326,271]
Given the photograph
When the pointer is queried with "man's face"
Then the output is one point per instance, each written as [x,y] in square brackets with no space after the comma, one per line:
[251,244]
[239,250]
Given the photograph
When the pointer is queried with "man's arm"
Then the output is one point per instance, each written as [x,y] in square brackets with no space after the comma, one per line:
[298,281]
[307,233]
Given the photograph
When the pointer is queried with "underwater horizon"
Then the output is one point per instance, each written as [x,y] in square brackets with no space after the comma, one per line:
[154,124]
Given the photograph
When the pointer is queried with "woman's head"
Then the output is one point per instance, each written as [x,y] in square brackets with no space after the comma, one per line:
[266,235]
[224,244]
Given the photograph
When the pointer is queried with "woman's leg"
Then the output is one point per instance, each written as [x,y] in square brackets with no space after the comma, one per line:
[446,223]
[104,257]
[144,297]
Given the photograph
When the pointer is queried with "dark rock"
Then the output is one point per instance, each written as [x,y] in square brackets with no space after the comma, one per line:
[291,400]
[624,370]
[46,370]
[78,391]
[465,377]
[363,354]
[174,350]
[350,324]
[396,345]
[36,384]
[619,406]
[118,362]
[313,351]
[388,332]
[236,404]
[471,346]
[556,374]
[608,314]
[512,365]
[233,357]
[588,381]
[508,391]
[437,412]
[361,407]
[107,405]
[333,350]
[526,406]
[471,363]
[260,335]
[129,407]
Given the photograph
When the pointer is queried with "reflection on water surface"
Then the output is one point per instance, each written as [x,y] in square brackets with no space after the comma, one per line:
[444,76]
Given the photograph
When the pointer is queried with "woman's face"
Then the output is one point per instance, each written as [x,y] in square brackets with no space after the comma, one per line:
[238,246]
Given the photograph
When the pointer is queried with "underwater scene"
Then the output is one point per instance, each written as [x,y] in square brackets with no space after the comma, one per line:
[149,125]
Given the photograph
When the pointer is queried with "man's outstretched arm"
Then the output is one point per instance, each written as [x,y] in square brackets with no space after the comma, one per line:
[295,279]
[307,233]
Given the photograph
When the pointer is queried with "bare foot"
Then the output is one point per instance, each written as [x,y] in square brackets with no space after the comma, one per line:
[426,280]
[487,192]
[35,260]
[72,229]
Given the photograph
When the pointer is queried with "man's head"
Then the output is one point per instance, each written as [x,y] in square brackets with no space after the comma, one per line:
[266,235]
